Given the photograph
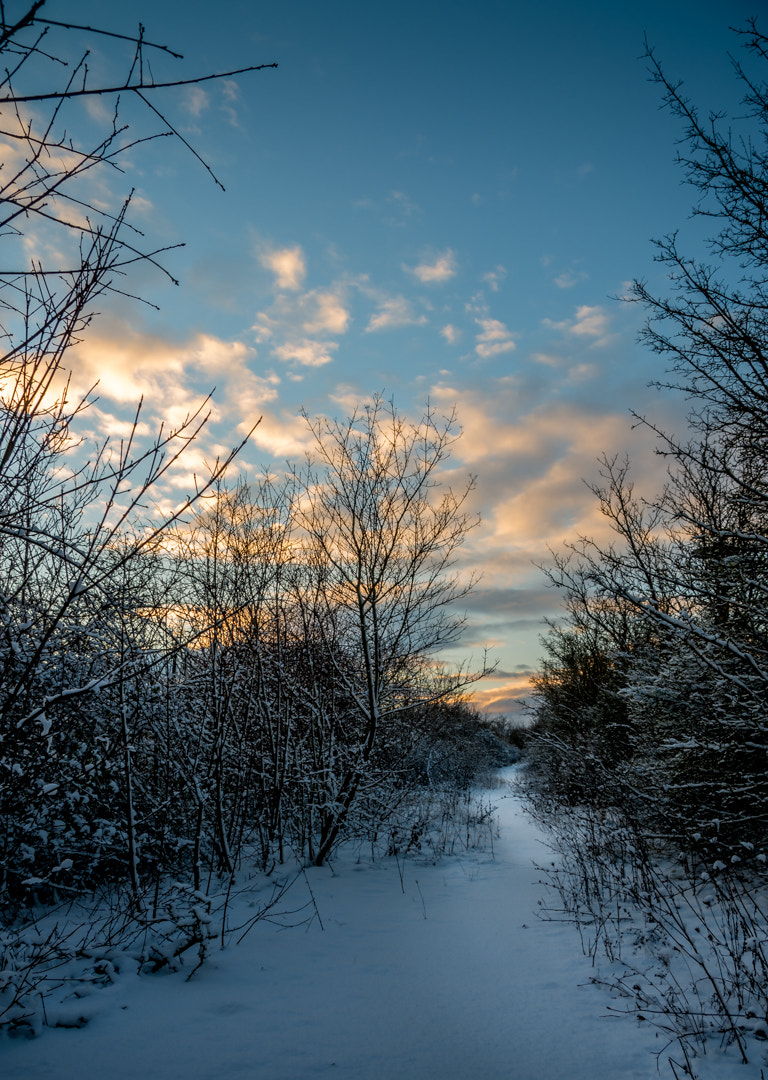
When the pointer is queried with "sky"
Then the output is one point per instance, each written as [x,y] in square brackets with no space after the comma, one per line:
[433,200]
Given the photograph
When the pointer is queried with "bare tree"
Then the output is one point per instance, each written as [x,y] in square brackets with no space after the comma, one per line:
[675,825]
[381,529]
[690,563]
[74,534]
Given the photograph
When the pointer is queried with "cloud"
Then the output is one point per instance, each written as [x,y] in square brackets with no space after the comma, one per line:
[403,203]
[172,376]
[330,314]
[580,372]
[531,458]
[569,278]
[451,333]
[396,210]
[509,599]
[287,264]
[393,313]
[230,90]
[548,450]
[229,94]
[317,311]
[590,322]
[195,100]
[111,426]
[97,109]
[549,359]
[283,437]
[494,339]
[95,194]
[503,696]
[306,353]
[435,273]
[494,277]
[299,326]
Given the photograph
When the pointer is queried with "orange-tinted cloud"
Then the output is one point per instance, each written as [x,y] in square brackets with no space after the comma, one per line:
[288,264]
[440,270]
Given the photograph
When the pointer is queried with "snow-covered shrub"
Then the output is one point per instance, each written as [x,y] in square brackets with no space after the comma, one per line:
[687,948]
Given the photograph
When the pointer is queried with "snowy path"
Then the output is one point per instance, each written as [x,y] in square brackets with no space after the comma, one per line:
[480,989]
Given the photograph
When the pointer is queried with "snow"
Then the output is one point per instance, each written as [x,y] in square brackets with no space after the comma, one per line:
[448,973]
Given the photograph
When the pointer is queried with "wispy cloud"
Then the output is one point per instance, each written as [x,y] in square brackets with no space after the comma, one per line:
[589,322]
[451,333]
[195,100]
[393,313]
[306,353]
[403,203]
[398,210]
[495,338]
[581,372]
[494,277]
[503,695]
[299,324]
[230,94]
[443,268]
[569,278]
[316,311]
[548,359]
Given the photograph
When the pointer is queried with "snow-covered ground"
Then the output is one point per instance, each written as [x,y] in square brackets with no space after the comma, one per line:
[449,974]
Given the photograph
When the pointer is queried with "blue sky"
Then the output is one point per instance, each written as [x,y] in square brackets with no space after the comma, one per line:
[431,199]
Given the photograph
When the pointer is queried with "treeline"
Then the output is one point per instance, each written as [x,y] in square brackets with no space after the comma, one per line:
[255,674]
[250,670]
[654,689]
[650,735]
